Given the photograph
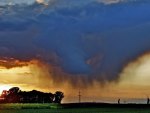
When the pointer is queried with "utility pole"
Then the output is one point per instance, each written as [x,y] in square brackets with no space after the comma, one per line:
[148,100]
[79,96]
[119,101]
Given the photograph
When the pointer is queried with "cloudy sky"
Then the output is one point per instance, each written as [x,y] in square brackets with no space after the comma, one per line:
[100,46]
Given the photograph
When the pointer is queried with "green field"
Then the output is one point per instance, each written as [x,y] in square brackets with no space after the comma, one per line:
[54,108]
[28,106]
[99,110]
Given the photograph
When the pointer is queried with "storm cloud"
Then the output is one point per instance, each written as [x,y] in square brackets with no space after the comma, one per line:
[89,40]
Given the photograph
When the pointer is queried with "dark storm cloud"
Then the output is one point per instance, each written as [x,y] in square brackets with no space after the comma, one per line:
[93,40]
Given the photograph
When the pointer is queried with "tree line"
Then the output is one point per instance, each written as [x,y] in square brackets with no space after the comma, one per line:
[15,95]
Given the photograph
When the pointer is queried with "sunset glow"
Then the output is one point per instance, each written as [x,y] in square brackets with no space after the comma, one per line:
[4,87]
[33,76]
[15,70]
[100,47]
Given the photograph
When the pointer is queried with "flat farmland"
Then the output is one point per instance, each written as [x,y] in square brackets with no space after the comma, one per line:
[54,108]
[80,110]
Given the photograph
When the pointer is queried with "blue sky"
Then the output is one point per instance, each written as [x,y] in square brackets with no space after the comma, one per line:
[93,39]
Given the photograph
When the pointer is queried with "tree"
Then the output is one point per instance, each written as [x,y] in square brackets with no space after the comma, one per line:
[58,96]
[13,96]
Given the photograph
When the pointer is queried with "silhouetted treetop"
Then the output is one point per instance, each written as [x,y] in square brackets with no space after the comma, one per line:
[15,95]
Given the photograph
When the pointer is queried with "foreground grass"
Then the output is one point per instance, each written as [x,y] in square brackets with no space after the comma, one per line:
[28,106]
[55,108]
[83,110]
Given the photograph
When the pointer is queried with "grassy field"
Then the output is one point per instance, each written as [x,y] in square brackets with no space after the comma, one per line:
[54,108]
[28,106]
[81,110]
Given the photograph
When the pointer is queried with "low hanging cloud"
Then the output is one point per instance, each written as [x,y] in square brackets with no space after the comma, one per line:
[63,2]
[86,42]
[137,72]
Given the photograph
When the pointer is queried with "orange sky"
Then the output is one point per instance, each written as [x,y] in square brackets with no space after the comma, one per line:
[133,83]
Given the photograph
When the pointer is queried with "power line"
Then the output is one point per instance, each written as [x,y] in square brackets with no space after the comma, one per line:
[79,96]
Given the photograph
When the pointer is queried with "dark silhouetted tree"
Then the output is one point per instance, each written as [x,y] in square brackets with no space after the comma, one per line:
[15,95]
[12,96]
[14,90]
[58,96]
